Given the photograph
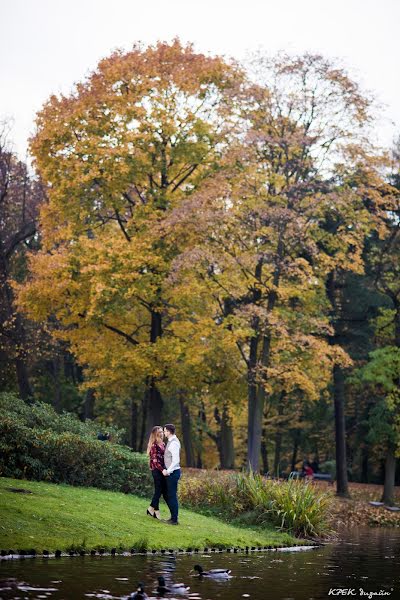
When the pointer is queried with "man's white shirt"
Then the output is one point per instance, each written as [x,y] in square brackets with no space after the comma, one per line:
[174,446]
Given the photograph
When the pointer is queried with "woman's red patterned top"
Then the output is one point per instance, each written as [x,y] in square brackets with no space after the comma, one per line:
[157,456]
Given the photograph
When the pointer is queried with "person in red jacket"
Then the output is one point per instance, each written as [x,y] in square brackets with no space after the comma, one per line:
[307,470]
[156,450]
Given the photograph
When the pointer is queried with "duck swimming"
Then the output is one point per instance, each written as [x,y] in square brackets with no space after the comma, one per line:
[215,573]
[140,594]
[174,588]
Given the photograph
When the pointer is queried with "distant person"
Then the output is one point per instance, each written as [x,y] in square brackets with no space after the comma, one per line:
[172,471]
[155,450]
[307,470]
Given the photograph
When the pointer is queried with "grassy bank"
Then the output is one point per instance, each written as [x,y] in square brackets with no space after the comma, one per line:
[63,517]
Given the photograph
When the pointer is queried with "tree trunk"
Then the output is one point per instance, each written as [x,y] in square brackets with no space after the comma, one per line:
[256,397]
[224,438]
[88,405]
[186,432]
[134,425]
[364,464]
[295,450]
[264,451]
[277,457]
[152,394]
[227,453]
[278,440]
[154,408]
[201,419]
[57,399]
[342,488]
[24,386]
[255,418]
[144,421]
[390,471]
[252,454]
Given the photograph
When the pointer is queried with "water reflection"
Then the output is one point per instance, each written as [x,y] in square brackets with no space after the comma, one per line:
[367,559]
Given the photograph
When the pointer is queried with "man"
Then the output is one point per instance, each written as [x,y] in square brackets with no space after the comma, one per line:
[172,471]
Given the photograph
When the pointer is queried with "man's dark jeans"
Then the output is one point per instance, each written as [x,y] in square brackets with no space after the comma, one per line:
[172,493]
[160,488]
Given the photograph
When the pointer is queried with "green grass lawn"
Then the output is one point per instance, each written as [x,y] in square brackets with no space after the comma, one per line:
[64,517]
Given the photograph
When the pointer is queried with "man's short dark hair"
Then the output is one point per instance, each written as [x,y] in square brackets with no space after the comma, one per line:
[170,427]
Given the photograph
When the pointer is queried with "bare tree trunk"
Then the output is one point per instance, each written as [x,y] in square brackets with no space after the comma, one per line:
[252,454]
[342,488]
[186,432]
[295,450]
[227,454]
[152,394]
[390,472]
[278,441]
[88,405]
[144,421]
[277,457]
[57,396]
[256,390]
[256,409]
[224,438]
[333,288]
[364,464]
[264,451]
[202,419]
[24,386]
[134,424]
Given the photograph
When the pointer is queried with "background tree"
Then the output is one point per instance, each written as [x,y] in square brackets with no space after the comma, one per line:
[20,198]
[266,247]
[130,144]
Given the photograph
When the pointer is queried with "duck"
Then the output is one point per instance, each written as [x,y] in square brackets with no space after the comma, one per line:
[215,573]
[174,588]
[140,594]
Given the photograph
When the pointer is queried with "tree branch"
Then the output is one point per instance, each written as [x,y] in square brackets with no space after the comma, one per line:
[126,336]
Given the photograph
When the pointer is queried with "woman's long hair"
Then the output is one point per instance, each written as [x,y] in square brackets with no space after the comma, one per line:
[153,437]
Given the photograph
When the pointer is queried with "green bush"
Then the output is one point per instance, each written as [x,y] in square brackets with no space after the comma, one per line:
[40,415]
[328,466]
[298,507]
[37,443]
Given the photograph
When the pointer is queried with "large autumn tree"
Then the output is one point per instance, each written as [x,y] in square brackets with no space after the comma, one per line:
[287,215]
[132,142]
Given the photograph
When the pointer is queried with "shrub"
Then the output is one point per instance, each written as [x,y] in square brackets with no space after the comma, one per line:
[37,443]
[328,466]
[298,507]
[40,415]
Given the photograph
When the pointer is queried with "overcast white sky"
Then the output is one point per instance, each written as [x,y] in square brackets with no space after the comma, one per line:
[47,45]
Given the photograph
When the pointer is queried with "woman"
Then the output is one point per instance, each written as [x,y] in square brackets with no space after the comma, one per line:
[155,450]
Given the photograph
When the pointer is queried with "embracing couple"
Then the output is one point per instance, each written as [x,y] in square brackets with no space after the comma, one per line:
[166,471]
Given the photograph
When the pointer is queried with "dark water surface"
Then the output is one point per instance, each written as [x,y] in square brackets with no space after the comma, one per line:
[364,558]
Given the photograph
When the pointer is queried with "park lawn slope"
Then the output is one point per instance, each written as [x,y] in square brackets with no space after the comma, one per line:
[62,517]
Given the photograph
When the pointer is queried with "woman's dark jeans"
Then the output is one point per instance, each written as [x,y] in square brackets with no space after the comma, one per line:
[160,488]
[172,493]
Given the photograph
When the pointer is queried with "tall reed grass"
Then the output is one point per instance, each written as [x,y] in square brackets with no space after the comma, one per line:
[298,507]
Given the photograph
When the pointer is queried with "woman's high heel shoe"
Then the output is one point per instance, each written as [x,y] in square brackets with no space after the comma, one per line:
[151,514]
[157,515]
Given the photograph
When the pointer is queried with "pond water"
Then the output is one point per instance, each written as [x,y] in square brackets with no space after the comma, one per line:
[366,559]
